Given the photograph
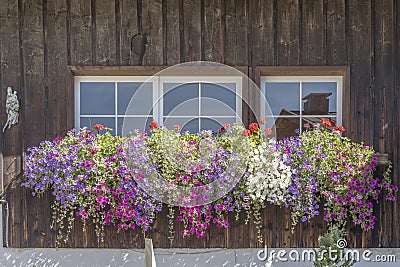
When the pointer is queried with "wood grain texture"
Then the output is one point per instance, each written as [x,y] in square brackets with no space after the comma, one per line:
[191,43]
[288,33]
[55,77]
[383,102]
[396,122]
[105,33]
[11,141]
[172,33]
[80,35]
[361,57]
[34,109]
[213,38]
[313,23]
[152,27]
[128,28]
[261,26]
[335,32]
[236,32]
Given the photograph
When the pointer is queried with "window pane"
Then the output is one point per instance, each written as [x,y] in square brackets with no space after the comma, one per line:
[97,98]
[90,122]
[283,97]
[319,98]
[127,125]
[188,123]
[143,98]
[181,99]
[218,99]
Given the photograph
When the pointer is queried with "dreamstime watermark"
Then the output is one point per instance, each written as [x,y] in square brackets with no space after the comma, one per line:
[340,254]
[198,92]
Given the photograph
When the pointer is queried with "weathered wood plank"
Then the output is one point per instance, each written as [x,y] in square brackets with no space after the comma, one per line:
[34,107]
[80,32]
[159,231]
[288,48]
[191,30]
[261,25]
[57,57]
[213,37]
[114,70]
[236,33]
[129,27]
[360,58]
[396,122]
[384,104]
[359,52]
[172,36]
[12,145]
[335,32]
[10,72]
[314,33]
[105,32]
[152,27]
[56,36]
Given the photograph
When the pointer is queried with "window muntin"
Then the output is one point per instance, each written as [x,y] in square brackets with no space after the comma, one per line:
[298,100]
[203,103]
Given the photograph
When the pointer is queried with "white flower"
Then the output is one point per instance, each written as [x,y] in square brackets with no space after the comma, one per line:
[269,177]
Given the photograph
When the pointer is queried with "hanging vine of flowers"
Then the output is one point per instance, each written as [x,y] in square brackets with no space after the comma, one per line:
[123,181]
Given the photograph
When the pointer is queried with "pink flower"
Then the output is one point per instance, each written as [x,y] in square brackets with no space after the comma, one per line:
[176,127]
[262,121]
[325,193]
[253,127]
[227,126]
[268,131]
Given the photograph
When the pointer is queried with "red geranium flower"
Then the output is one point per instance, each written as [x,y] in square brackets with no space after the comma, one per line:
[98,126]
[327,123]
[227,126]
[246,132]
[340,129]
[253,126]
[176,127]
[153,125]
[262,121]
[268,131]
[220,130]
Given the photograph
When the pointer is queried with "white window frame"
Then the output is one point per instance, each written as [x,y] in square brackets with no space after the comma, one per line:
[115,80]
[301,80]
[158,88]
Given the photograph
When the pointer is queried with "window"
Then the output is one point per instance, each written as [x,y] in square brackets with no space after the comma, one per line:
[194,103]
[295,101]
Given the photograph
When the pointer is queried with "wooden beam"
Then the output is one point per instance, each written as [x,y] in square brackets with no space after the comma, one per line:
[147,70]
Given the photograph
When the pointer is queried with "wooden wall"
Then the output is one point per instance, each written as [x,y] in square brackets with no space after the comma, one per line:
[39,38]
